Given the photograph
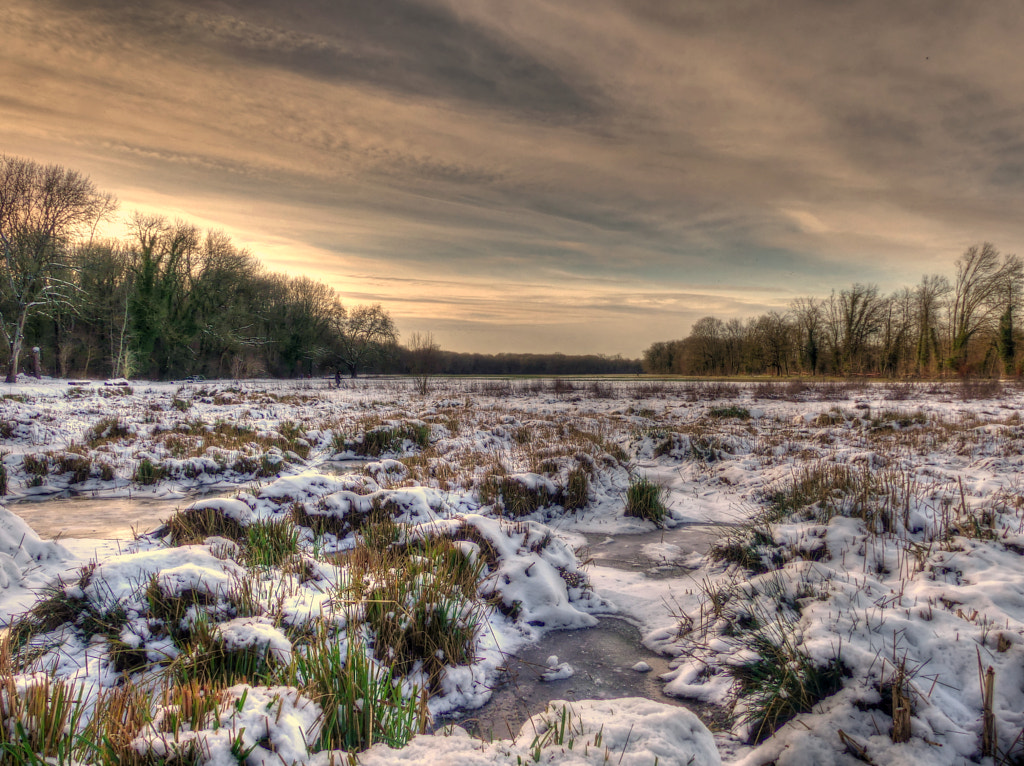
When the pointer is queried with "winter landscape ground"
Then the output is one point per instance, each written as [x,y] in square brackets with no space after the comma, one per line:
[833,570]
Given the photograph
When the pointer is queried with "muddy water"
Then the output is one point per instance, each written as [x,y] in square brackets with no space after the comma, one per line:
[602,658]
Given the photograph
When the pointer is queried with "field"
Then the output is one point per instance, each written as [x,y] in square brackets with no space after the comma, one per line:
[859,599]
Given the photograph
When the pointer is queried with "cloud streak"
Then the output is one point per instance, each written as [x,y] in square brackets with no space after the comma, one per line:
[544,168]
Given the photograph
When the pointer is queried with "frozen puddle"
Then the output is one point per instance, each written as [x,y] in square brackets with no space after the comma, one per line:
[118,518]
[602,659]
[101,518]
[342,467]
[662,554]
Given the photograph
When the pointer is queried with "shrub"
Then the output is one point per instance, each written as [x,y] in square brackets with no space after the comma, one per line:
[644,500]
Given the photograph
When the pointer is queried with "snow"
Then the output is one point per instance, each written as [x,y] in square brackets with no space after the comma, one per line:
[26,563]
[631,731]
[935,588]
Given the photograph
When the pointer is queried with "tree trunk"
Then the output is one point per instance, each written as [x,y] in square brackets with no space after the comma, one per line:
[37,367]
[16,340]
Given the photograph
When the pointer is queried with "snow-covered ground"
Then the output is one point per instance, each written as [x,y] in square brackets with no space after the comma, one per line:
[868,569]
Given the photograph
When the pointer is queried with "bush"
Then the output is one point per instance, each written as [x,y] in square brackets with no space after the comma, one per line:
[644,500]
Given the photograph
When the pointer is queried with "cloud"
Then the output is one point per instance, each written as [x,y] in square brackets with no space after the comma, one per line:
[543,165]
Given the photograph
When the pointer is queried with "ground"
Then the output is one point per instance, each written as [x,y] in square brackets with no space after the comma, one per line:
[833,566]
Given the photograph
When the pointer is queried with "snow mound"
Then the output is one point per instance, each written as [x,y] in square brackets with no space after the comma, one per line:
[27,562]
[630,731]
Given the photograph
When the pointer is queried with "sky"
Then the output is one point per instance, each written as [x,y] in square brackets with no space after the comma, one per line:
[582,176]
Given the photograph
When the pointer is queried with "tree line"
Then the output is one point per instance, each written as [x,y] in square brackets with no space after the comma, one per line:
[167,300]
[964,325]
[417,359]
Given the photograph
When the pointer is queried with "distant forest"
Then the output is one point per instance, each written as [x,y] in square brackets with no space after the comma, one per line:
[963,326]
[169,300]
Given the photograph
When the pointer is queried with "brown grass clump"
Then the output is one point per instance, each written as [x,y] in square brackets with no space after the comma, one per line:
[193,525]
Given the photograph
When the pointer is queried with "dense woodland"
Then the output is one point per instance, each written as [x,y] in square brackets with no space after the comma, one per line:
[963,326]
[168,300]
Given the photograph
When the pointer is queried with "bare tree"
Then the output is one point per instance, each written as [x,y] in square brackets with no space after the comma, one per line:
[364,335]
[772,336]
[424,359]
[983,282]
[807,316]
[928,297]
[851,318]
[42,208]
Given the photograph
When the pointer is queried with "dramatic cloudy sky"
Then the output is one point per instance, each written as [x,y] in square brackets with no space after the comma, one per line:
[574,175]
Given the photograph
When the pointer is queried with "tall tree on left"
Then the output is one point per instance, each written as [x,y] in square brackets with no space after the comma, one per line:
[43,208]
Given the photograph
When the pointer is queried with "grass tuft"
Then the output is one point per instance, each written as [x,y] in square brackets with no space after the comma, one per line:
[644,500]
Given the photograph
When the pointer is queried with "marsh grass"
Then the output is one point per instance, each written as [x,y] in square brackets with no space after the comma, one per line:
[513,495]
[783,682]
[147,472]
[36,721]
[37,467]
[750,546]
[391,439]
[420,602]
[577,489]
[362,703]
[195,437]
[645,500]
[729,411]
[270,542]
[193,525]
[207,660]
[78,466]
[106,431]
